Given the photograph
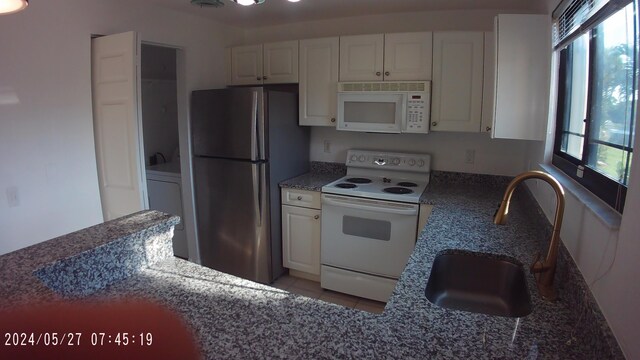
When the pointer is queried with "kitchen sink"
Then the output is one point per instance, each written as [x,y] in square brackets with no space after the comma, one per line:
[480,283]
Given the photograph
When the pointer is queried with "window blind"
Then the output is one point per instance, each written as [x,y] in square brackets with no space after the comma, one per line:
[573,17]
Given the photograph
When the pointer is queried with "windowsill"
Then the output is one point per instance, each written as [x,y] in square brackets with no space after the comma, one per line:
[604,212]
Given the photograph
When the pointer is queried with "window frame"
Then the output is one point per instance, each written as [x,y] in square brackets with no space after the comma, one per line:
[607,189]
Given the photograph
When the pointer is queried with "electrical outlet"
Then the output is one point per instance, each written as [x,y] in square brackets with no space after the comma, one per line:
[470,156]
[327,146]
[12,196]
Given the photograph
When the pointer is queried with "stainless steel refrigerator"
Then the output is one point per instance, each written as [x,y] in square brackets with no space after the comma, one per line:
[245,141]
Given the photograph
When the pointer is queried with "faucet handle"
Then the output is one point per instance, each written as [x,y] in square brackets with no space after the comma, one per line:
[537,266]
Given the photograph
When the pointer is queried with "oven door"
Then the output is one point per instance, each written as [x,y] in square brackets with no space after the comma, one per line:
[366,235]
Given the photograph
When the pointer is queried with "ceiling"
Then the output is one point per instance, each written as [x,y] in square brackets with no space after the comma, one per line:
[275,12]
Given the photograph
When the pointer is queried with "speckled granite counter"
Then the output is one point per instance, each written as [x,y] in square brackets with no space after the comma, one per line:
[235,318]
[84,261]
[320,175]
[310,181]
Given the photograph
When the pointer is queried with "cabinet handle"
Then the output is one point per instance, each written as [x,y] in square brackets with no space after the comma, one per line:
[258,78]
[333,119]
[434,124]
[386,73]
[317,217]
[488,128]
[299,197]
[264,78]
[378,73]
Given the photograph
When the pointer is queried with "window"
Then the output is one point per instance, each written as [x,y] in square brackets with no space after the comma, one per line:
[596,103]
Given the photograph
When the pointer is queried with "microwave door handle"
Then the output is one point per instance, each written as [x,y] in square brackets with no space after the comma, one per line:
[373,206]
[403,116]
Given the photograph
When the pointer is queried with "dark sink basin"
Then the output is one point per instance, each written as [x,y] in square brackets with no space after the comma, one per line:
[480,283]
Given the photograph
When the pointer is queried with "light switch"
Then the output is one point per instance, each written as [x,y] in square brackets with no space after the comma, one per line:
[12,196]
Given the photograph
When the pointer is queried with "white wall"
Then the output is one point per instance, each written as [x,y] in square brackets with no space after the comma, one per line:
[500,157]
[448,149]
[46,130]
[461,20]
[607,257]
[159,118]
[159,101]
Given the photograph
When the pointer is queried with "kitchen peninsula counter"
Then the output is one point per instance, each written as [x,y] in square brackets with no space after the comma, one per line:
[236,318]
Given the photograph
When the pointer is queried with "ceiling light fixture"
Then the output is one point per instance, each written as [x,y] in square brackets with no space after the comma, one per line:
[294,0]
[207,3]
[12,6]
[248,2]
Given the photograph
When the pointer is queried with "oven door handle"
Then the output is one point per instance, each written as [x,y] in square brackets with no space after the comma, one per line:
[374,206]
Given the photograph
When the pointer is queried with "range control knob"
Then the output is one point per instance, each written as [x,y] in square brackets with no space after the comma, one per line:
[395,161]
[412,162]
[420,163]
[362,158]
[353,158]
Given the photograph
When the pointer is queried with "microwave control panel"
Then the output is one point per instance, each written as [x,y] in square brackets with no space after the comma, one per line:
[417,113]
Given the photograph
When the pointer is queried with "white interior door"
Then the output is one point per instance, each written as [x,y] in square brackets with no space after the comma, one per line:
[117,126]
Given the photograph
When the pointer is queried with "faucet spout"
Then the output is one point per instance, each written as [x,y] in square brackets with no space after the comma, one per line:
[547,267]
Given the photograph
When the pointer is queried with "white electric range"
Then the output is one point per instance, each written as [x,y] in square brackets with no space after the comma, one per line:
[369,221]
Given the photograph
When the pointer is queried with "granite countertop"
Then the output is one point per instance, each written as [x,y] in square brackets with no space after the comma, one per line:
[104,242]
[236,318]
[321,174]
[310,181]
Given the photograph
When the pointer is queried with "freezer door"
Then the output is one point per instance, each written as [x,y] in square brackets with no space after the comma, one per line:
[232,217]
[228,123]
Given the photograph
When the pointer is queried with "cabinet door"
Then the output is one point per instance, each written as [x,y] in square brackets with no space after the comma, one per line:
[407,56]
[361,57]
[522,76]
[319,61]
[246,65]
[489,85]
[457,81]
[301,239]
[281,62]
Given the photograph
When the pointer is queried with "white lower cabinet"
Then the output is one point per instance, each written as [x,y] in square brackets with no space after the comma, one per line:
[301,231]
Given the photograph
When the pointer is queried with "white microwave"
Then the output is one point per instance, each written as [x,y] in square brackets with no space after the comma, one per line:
[385,107]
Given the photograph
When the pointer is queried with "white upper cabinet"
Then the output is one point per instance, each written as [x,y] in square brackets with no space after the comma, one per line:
[407,56]
[394,57]
[361,57]
[246,65]
[280,62]
[319,61]
[272,63]
[458,59]
[522,76]
[489,86]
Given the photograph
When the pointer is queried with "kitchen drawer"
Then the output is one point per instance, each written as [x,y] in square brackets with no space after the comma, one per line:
[297,197]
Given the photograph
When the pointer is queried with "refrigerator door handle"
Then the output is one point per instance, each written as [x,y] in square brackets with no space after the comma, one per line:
[254,127]
[257,191]
[260,115]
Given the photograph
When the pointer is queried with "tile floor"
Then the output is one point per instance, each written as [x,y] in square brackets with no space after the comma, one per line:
[313,290]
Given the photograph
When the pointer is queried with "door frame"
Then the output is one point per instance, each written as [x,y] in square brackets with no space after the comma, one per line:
[184,143]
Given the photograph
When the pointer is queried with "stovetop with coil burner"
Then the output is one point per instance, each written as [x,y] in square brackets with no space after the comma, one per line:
[383,175]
